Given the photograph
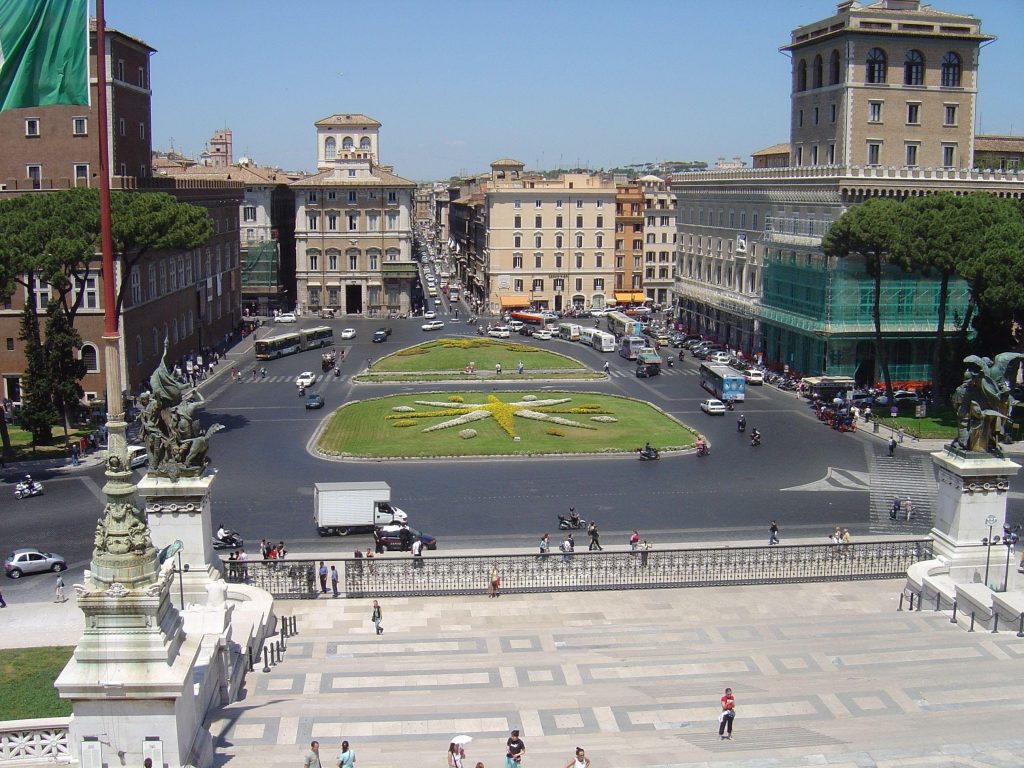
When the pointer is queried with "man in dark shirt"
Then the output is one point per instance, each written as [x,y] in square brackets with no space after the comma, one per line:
[515,749]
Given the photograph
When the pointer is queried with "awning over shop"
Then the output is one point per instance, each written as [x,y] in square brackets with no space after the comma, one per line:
[514,302]
[637,297]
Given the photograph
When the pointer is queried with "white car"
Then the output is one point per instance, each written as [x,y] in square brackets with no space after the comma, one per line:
[541,333]
[499,332]
[348,333]
[433,325]
[305,379]
[287,317]
[754,376]
[713,406]
[430,315]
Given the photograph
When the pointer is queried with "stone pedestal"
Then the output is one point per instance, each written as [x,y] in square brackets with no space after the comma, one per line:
[179,510]
[131,678]
[972,489]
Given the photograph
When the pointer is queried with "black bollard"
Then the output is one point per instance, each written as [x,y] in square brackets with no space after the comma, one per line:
[273,656]
[972,622]
[266,656]
[248,653]
[284,627]
[953,619]
[1020,632]
[911,601]
[901,602]
[938,601]
[278,651]
[295,626]
[920,600]
[995,622]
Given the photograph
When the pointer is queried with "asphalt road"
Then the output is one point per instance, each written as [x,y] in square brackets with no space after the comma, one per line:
[266,472]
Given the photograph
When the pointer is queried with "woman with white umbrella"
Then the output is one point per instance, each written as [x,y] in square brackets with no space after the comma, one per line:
[456,753]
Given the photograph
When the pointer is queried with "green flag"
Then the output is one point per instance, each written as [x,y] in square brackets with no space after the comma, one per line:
[43,53]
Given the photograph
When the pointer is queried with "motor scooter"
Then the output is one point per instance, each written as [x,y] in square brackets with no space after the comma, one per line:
[337,372]
[231,540]
[27,488]
[741,424]
[702,449]
[755,438]
[646,454]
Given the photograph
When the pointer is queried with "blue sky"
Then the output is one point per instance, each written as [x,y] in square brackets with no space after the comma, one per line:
[458,83]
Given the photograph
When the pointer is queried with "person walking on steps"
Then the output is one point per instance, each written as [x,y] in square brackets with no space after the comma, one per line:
[892,446]
[376,616]
[728,714]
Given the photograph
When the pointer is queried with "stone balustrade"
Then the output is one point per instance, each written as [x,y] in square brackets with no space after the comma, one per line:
[38,741]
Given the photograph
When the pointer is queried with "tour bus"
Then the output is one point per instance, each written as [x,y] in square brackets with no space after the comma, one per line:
[630,346]
[602,341]
[313,338]
[532,319]
[623,326]
[569,331]
[277,346]
[723,382]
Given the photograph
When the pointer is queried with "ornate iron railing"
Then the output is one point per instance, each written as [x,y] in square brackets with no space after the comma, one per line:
[397,575]
[295,579]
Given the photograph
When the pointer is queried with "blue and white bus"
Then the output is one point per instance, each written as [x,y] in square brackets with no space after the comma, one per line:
[630,346]
[723,382]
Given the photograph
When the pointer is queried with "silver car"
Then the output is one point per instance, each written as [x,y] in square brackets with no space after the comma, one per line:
[22,561]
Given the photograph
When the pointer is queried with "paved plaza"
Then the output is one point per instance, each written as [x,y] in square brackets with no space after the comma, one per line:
[826,673]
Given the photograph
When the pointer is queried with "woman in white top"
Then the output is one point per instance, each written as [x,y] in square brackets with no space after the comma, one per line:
[580,761]
[456,754]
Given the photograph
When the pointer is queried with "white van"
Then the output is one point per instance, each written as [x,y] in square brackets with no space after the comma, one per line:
[569,331]
[137,456]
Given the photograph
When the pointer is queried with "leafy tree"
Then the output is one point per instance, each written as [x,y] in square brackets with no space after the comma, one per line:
[37,411]
[870,229]
[64,369]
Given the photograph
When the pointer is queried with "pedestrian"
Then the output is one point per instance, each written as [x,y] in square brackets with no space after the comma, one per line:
[334,581]
[607,367]
[894,512]
[580,761]
[244,560]
[417,552]
[892,446]
[900,433]
[520,367]
[728,714]
[493,582]
[846,538]
[376,616]
[645,547]
[3,603]
[323,578]
[567,547]
[456,754]
[312,758]
[347,757]
[634,540]
[545,544]
[497,369]
[908,508]
[378,542]
[60,590]
[281,551]
[867,413]
[515,748]
[773,533]
[264,548]
[595,537]
[74,454]
[369,560]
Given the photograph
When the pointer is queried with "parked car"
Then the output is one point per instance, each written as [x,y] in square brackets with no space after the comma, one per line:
[30,560]
[433,325]
[305,379]
[314,400]
[348,333]
[499,332]
[713,406]
[541,333]
[285,317]
[391,537]
[721,357]
[754,376]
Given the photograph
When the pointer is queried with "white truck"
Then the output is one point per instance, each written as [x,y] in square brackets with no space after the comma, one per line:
[344,508]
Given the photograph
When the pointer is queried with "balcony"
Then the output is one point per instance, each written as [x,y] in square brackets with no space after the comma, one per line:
[785,230]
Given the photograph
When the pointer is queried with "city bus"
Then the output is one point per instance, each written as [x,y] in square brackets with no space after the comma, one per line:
[587,336]
[313,338]
[624,326]
[532,319]
[630,346]
[569,331]
[278,346]
[723,382]
[602,341]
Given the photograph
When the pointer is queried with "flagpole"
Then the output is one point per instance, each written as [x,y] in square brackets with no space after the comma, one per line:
[111,335]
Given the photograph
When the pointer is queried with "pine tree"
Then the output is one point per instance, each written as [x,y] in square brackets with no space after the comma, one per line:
[37,411]
[65,370]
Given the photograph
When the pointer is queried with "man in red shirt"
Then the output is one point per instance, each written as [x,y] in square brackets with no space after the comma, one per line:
[728,714]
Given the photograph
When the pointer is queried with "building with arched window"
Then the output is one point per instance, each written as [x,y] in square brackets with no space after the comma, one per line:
[353,225]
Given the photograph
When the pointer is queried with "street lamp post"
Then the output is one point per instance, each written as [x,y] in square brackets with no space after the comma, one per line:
[990,521]
[1010,537]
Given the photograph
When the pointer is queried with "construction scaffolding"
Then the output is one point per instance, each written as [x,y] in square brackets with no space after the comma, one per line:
[261,267]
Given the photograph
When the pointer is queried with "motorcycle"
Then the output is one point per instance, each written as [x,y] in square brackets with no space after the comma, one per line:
[648,455]
[755,439]
[729,405]
[741,424]
[302,391]
[25,489]
[682,354]
[702,449]
[670,362]
[337,373]
[565,523]
[231,541]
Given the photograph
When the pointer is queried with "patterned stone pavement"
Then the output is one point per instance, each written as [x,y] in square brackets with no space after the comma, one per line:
[823,673]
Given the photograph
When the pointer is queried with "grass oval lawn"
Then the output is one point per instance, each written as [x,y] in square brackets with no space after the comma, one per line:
[454,354]
[414,425]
